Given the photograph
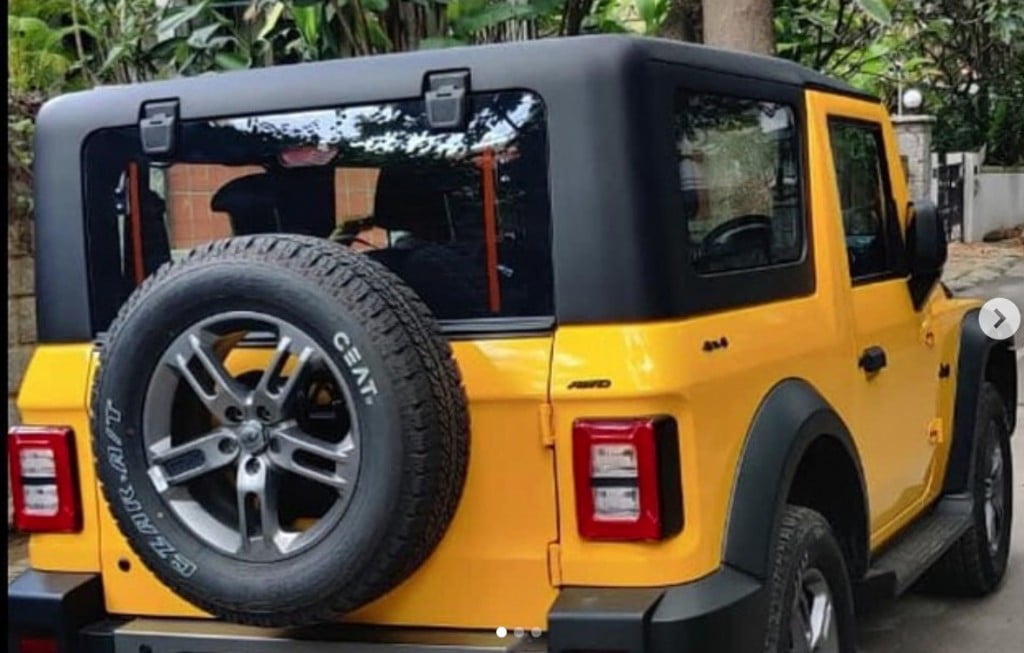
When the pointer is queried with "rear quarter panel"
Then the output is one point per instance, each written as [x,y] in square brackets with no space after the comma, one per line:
[664,369]
[55,391]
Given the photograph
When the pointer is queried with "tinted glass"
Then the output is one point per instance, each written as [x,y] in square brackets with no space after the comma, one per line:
[869,221]
[740,178]
[462,217]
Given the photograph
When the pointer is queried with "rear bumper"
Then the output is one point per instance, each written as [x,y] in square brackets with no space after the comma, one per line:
[723,612]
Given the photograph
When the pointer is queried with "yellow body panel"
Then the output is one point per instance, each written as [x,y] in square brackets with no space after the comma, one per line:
[662,369]
[514,537]
[55,391]
[491,568]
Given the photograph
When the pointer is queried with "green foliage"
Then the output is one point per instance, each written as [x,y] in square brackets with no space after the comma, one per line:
[652,13]
[974,77]
[40,61]
[966,56]
[846,38]
[37,57]
[877,10]
[21,107]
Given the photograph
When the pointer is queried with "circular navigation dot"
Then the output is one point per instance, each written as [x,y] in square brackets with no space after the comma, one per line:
[999,318]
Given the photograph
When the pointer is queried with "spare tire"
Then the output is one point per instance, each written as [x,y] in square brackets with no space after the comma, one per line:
[316,474]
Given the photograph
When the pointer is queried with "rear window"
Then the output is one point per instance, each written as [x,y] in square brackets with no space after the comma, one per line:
[463,217]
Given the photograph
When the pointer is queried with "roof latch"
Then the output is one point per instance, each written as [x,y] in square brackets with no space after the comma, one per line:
[157,126]
[447,99]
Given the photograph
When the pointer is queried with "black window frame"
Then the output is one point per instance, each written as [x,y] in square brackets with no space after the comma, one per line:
[702,292]
[896,257]
[470,328]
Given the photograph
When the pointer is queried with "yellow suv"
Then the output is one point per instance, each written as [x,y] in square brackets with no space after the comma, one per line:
[602,344]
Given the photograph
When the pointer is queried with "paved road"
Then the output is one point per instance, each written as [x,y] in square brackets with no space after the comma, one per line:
[924,624]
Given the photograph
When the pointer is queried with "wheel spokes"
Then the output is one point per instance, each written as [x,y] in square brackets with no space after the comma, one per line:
[799,627]
[276,399]
[820,620]
[812,627]
[207,453]
[225,394]
[300,453]
[257,444]
[257,501]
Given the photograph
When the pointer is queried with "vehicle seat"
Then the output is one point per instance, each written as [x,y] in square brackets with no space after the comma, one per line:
[250,204]
[298,201]
[448,274]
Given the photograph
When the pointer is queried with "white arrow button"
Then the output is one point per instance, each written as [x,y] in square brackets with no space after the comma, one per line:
[999,318]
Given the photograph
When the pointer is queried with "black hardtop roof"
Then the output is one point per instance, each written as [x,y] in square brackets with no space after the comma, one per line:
[743,64]
[607,102]
[526,64]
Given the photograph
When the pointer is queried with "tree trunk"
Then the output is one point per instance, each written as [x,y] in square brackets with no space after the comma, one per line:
[682,21]
[740,25]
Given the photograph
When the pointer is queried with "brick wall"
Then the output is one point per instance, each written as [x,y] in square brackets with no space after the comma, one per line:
[21,310]
[190,188]
[21,317]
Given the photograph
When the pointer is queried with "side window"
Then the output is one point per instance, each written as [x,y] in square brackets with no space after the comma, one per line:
[870,224]
[739,174]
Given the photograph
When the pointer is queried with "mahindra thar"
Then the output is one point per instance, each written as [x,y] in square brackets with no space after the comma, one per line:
[603,344]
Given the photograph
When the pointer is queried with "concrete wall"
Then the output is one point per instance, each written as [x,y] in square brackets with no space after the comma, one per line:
[914,135]
[998,199]
[993,196]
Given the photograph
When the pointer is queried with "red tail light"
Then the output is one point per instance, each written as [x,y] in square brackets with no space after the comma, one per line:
[28,644]
[627,478]
[43,479]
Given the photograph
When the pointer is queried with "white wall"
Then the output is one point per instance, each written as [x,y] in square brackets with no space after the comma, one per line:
[993,196]
[998,200]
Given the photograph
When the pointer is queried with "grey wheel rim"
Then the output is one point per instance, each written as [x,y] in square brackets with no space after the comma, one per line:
[224,480]
[995,498]
[812,624]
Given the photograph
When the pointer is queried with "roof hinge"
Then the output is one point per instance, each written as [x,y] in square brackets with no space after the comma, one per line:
[447,99]
[158,124]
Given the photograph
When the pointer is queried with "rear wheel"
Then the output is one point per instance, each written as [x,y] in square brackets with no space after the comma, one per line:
[810,606]
[282,432]
[976,564]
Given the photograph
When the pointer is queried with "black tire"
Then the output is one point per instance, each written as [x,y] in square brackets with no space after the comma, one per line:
[971,567]
[805,542]
[412,466]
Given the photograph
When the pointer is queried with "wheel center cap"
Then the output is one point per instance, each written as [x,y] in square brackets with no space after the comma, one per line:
[252,437]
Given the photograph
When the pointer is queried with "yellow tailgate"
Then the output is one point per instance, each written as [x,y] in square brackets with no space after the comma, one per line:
[491,568]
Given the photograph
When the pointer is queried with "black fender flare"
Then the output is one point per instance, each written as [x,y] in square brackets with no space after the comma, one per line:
[975,352]
[790,418]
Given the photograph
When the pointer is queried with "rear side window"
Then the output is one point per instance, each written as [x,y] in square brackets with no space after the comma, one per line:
[463,217]
[870,224]
[739,175]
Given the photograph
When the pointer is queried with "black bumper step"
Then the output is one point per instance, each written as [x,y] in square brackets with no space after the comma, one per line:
[919,547]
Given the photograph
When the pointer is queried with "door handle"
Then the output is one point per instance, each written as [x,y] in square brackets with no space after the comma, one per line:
[872,359]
